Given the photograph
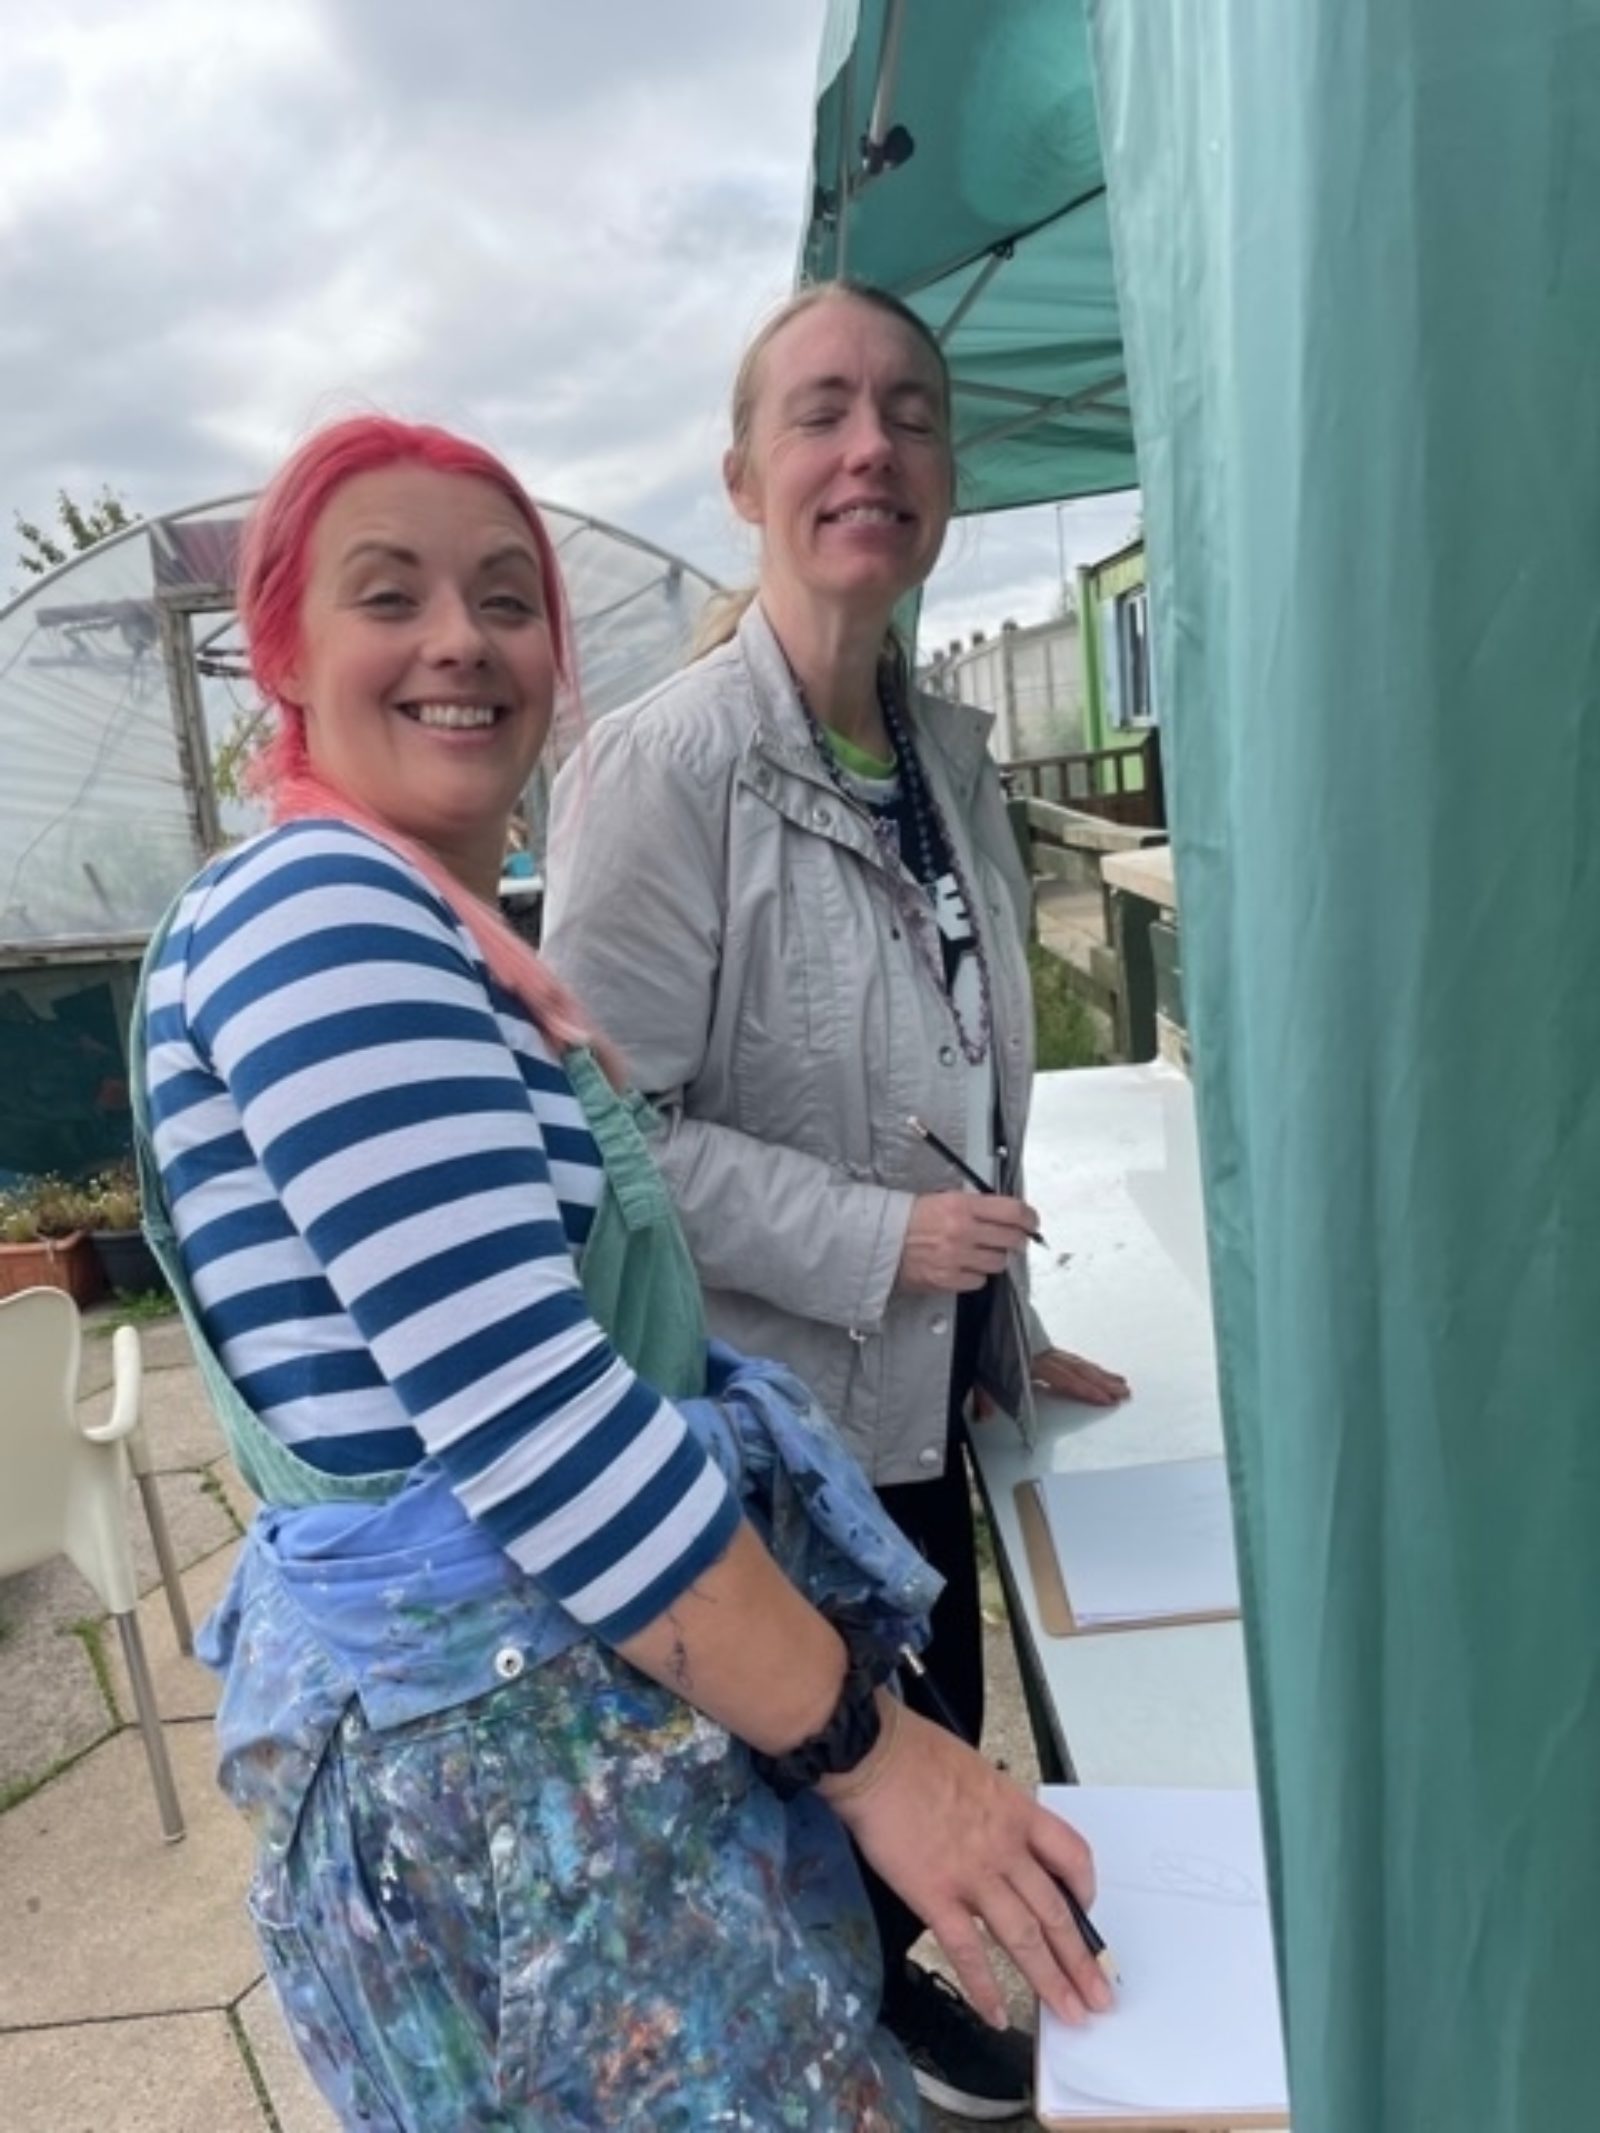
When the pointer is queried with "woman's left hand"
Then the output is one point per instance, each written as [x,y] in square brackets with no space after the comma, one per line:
[1074,1377]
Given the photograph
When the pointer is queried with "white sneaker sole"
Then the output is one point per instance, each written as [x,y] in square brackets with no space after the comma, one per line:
[982,2110]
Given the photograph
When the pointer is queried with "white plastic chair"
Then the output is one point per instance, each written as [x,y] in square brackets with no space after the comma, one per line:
[64,1490]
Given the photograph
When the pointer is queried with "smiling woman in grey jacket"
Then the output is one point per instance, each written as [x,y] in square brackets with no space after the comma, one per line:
[796,905]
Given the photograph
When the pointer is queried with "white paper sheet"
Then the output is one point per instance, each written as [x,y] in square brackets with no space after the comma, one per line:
[1146,1543]
[1182,1905]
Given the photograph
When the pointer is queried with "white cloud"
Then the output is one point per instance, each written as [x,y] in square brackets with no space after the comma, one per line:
[551,223]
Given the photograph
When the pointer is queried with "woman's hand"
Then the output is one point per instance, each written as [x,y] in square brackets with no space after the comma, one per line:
[957,1240]
[970,1852]
[1074,1377]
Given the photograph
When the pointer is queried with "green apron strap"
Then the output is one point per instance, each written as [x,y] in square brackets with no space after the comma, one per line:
[638,1277]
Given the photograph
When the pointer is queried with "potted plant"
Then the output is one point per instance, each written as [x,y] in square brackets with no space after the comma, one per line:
[110,1214]
[43,1243]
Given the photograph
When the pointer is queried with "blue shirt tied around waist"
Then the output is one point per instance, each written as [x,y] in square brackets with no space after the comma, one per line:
[409,1608]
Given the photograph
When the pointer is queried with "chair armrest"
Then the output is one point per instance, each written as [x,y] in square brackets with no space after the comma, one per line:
[127,1364]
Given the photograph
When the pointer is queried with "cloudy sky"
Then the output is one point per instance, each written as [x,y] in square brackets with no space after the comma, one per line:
[551,223]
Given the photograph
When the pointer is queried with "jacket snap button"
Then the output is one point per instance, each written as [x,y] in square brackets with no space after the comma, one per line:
[939,1324]
[947,1055]
[822,816]
[928,1456]
[508,1662]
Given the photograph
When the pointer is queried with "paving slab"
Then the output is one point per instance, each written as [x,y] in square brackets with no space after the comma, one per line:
[100,1918]
[296,2100]
[170,2074]
[199,1523]
[53,1594]
[51,1704]
[184,1688]
[240,1499]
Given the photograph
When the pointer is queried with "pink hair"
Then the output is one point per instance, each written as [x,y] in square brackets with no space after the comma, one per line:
[274,563]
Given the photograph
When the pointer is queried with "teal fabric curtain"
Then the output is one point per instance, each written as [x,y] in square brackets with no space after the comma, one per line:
[993,227]
[1358,251]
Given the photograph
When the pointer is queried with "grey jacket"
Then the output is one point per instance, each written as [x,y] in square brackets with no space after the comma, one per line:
[724,917]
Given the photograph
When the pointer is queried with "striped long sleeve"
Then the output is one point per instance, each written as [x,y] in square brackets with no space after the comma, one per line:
[379,1177]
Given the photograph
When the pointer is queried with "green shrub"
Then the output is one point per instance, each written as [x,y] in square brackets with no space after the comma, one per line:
[1064,1033]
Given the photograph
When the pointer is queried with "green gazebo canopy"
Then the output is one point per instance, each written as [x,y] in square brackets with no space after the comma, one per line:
[956,161]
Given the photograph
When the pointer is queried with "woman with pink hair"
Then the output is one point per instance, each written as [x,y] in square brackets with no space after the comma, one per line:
[550,1763]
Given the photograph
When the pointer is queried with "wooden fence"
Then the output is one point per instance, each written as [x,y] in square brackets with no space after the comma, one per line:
[1119,784]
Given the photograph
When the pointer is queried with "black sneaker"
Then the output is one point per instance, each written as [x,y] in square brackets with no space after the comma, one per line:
[961,2064]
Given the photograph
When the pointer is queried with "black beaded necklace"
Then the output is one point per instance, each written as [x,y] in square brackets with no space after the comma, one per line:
[914,899]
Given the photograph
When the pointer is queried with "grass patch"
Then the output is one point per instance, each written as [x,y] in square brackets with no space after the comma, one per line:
[90,1632]
[21,1789]
[252,2067]
[134,1311]
[1063,1031]
[211,1485]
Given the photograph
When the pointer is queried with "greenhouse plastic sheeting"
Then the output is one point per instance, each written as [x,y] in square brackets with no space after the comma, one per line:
[994,229]
[1358,250]
[99,824]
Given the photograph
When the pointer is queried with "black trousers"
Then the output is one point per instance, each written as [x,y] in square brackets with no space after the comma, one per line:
[936,1516]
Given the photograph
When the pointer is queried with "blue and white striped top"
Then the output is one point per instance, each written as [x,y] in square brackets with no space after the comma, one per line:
[379,1177]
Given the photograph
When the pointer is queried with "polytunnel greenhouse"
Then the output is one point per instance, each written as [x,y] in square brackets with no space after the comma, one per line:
[124,697]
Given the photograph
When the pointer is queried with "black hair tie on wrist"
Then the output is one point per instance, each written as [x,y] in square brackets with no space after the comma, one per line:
[851,1732]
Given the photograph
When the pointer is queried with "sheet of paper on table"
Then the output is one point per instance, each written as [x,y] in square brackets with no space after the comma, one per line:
[1142,1544]
[1195,2037]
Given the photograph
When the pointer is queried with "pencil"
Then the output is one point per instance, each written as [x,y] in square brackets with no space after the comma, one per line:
[1093,1939]
[939,1147]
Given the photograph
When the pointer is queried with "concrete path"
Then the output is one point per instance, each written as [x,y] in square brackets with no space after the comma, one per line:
[131,1993]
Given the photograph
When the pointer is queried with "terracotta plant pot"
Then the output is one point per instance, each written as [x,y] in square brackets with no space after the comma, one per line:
[53,1263]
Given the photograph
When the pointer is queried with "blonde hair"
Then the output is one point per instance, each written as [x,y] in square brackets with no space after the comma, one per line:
[720,618]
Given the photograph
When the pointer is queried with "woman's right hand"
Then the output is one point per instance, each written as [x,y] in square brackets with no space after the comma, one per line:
[967,1848]
[957,1240]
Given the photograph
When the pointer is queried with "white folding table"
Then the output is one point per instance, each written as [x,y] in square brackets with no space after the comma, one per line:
[1113,1173]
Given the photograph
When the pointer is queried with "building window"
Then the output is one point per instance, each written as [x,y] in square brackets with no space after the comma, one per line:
[1135,699]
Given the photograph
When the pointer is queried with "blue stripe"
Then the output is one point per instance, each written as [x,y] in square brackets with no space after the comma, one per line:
[571,1144]
[489,1349]
[629,1527]
[371,1451]
[203,1165]
[304,1298]
[314,954]
[240,1231]
[470,1456]
[420,1192]
[362,1029]
[538,1070]
[309,1377]
[453,1269]
[165,1025]
[344,1126]
[272,875]
[708,1549]
[180,1092]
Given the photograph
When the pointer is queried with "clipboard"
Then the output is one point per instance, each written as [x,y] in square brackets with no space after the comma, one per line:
[1052,1594]
[1234,2122]
[1080,2075]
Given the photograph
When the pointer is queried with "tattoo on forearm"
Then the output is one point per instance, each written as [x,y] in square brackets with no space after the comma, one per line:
[678,1657]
